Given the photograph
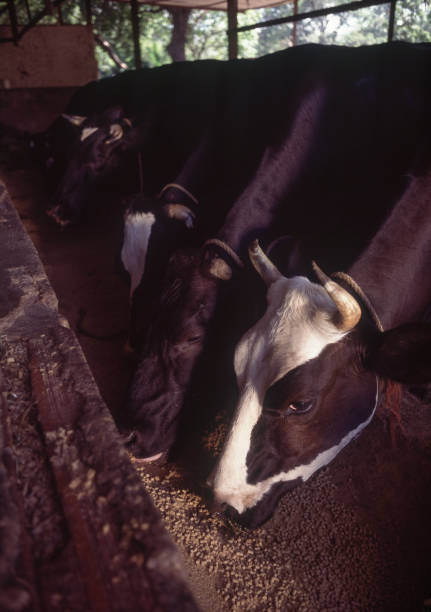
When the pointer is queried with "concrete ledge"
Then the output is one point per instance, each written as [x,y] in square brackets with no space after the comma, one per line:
[77,528]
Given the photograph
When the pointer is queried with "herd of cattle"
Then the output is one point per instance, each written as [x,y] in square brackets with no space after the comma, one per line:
[246,171]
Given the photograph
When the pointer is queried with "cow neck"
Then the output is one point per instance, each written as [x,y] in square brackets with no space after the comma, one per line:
[394,269]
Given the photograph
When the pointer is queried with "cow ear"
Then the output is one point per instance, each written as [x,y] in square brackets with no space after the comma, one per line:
[402,354]
[289,256]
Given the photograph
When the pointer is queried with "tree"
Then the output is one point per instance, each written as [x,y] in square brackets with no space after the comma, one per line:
[172,34]
[177,46]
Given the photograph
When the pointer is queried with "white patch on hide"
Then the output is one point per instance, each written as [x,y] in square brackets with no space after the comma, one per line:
[230,485]
[295,328]
[137,232]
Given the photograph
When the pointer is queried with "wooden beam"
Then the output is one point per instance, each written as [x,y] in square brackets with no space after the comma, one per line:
[135,32]
[232,32]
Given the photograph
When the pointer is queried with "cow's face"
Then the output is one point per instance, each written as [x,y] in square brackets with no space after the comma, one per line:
[307,387]
[100,145]
[153,228]
[174,341]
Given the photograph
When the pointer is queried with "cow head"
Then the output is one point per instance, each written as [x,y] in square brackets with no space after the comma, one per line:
[179,325]
[307,374]
[99,150]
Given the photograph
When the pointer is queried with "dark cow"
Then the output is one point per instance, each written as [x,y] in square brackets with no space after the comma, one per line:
[337,171]
[187,212]
[171,107]
[308,371]
[158,116]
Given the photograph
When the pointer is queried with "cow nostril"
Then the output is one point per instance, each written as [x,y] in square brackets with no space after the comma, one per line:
[216,506]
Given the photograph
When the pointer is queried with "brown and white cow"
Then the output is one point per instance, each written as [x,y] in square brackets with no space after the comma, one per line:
[308,371]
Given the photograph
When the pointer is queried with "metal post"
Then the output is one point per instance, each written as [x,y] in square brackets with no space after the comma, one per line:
[88,14]
[135,30]
[232,34]
[391,20]
[295,12]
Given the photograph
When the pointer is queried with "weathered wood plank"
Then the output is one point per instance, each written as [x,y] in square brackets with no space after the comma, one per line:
[128,562]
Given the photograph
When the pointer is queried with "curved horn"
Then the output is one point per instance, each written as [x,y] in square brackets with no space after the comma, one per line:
[220,269]
[180,212]
[348,309]
[74,119]
[264,266]
[86,132]
[116,132]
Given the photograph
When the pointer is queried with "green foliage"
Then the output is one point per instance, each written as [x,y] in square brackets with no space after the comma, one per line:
[207,38]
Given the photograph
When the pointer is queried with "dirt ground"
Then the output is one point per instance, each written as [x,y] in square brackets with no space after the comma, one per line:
[355,537]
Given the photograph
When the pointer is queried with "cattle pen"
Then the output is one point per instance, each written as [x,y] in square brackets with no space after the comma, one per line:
[86,528]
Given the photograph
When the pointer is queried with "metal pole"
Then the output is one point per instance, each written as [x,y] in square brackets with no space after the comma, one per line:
[295,12]
[391,20]
[88,13]
[332,10]
[232,32]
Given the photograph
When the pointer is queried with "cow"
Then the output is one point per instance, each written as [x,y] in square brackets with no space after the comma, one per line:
[337,169]
[170,108]
[159,117]
[308,371]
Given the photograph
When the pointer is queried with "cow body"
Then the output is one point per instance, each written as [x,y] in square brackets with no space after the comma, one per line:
[336,169]
[244,103]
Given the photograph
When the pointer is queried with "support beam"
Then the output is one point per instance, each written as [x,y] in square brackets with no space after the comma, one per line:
[332,10]
[232,32]
[391,20]
[294,33]
[135,32]
[88,12]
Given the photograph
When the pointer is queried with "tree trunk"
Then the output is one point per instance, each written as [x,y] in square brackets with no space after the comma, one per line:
[176,47]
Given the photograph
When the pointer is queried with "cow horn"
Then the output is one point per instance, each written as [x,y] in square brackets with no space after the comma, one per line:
[86,132]
[74,119]
[180,212]
[348,309]
[219,268]
[264,266]
[116,132]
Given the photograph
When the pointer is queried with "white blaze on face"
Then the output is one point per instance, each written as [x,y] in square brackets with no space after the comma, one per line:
[137,232]
[295,328]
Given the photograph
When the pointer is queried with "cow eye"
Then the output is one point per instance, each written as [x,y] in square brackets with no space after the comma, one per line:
[299,407]
[193,339]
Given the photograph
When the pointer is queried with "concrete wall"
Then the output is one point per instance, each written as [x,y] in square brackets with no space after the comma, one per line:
[48,56]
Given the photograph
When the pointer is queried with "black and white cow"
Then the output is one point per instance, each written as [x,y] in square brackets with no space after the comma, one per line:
[336,170]
[308,371]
